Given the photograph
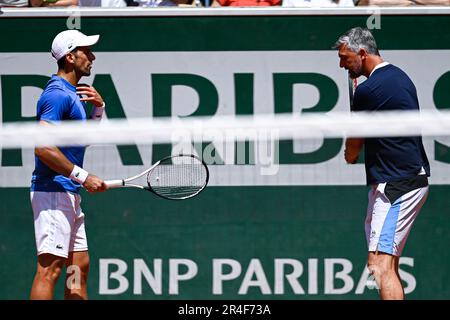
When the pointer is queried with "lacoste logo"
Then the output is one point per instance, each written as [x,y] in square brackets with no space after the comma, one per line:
[59,246]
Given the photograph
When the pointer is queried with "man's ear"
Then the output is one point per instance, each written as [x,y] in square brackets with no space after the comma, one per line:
[363,53]
[70,57]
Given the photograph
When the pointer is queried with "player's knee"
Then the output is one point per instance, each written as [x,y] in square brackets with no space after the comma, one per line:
[373,269]
[49,274]
[377,269]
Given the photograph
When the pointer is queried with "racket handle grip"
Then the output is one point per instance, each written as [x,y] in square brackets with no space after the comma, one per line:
[114,183]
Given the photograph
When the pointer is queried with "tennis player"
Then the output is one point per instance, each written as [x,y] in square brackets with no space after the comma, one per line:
[396,167]
[58,175]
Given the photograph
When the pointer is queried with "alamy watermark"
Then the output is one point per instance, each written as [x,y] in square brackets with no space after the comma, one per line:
[374,20]
[258,147]
[74,19]
[73,281]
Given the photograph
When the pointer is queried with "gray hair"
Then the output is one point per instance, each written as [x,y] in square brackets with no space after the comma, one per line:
[356,39]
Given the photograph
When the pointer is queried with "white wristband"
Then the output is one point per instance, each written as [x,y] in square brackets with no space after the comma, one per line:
[97,112]
[79,175]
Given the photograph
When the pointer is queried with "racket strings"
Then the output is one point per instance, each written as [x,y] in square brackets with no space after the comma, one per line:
[184,178]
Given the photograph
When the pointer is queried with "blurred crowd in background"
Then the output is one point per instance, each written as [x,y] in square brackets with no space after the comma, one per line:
[220,3]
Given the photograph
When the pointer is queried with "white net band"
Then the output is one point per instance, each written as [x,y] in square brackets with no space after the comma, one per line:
[227,128]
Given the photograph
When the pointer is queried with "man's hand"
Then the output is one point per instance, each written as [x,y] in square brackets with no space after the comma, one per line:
[352,149]
[351,156]
[90,95]
[94,184]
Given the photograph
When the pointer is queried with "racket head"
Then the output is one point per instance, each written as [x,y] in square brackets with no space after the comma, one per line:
[178,177]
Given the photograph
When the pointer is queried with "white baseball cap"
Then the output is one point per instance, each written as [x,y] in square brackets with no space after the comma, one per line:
[68,40]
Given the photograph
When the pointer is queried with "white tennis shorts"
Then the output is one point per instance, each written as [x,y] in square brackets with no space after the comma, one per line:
[388,224]
[58,223]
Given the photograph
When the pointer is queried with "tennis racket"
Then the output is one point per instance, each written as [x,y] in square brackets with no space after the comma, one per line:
[352,83]
[176,177]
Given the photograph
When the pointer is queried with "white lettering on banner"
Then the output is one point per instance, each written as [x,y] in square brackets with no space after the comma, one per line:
[105,275]
[338,277]
[219,276]
[312,276]
[132,79]
[406,276]
[175,276]
[256,270]
[154,280]
[292,278]
[331,276]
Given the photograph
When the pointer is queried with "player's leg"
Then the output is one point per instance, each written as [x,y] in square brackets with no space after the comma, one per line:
[49,269]
[78,260]
[76,276]
[383,268]
[52,235]
[413,202]
[389,227]
[397,262]
[380,228]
